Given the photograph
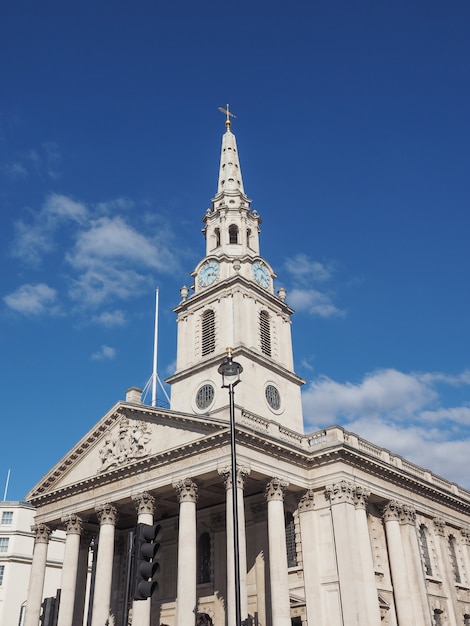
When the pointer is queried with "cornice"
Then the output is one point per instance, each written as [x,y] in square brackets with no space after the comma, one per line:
[214,361]
[227,286]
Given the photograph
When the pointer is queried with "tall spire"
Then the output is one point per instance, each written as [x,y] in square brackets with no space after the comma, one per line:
[230,175]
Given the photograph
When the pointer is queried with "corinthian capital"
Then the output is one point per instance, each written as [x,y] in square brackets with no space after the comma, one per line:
[275,489]
[186,490]
[73,524]
[41,533]
[144,503]
[107,514]
[408,515]
[307,501]
[361,497]
[342,491]
[226,473]
[392,511]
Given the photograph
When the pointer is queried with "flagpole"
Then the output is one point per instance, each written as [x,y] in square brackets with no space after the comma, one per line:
[155,348]
[6,486]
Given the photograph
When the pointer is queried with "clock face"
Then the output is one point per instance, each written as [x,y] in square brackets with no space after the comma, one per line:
[261,274]
[208,273]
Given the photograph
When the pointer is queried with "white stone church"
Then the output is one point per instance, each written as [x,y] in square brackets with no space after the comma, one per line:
[332,529]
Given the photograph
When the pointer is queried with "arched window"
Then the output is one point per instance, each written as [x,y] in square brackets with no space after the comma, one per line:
[265,332]
[233,233]
[204,559]
[423,542]
[453,559]
[290,540]
[217,237]
[208,332]
[248,236]
[202,619]
[438,617]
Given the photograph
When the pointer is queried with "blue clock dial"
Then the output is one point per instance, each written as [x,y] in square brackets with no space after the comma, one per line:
[208,273]
[261,274]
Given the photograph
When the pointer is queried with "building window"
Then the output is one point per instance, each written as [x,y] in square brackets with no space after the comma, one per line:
[217,237]
[265,332]
[4,544]
[204,559]
[466,620]
[248,236]
[233,233]
[208,332]
[438,617]
[290,540]
[204,397]
[2,574]
[7,518]
[453,559]
[423,541]
[273,397]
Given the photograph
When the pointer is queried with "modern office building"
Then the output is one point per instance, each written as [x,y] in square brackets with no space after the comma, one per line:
[332,529]
[16,555]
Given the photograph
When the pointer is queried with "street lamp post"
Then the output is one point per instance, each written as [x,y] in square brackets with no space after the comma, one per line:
[230,371]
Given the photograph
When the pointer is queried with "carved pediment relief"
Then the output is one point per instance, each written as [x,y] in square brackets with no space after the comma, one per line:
[133,441]
[123,437]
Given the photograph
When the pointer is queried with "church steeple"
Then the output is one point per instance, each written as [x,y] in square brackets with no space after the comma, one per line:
[230,175]
[234,304]
[231,227]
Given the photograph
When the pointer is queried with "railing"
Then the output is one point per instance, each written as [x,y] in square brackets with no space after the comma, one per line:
[335,435]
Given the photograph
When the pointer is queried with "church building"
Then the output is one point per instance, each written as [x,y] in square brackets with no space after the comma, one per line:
[330,529]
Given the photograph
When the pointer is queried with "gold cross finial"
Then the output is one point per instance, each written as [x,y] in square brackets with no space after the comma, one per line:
[229,114]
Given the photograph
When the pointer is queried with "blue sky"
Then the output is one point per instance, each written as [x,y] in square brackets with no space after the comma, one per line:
[353,131]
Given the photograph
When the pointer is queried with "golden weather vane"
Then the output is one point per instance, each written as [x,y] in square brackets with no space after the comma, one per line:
[228,113]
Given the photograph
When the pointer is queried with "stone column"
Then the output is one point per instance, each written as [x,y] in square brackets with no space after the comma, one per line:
[369,587]
[73,526]
[107,515]
[82,585]
[419,595]
[309,537]
[145,504]
[396,556]
[465,533]
[187,565]
[445,567]
[37,574]
[241,473]
[348,557]
[280,601]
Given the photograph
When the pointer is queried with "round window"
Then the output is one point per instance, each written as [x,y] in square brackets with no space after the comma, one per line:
[273,398]
[204,397]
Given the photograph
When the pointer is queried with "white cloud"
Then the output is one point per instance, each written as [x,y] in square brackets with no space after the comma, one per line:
[110,318]
[313,302]
[114,260]
[305,270]
[58,208]
[31,300]
[401,412]
[14,171]
[112,238]
[105,353]
[36,238]
[305,295]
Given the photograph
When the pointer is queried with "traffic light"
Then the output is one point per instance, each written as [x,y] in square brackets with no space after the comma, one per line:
[47,615]
[146,566]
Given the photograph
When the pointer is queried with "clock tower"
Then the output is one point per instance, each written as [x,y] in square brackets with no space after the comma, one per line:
[234,304]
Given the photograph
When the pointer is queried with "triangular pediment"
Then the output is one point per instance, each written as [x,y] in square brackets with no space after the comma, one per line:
[128,434]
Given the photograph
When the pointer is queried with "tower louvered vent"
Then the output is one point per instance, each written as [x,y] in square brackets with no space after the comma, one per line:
[208,332]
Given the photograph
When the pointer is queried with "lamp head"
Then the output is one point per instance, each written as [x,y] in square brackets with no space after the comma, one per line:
[230,370]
